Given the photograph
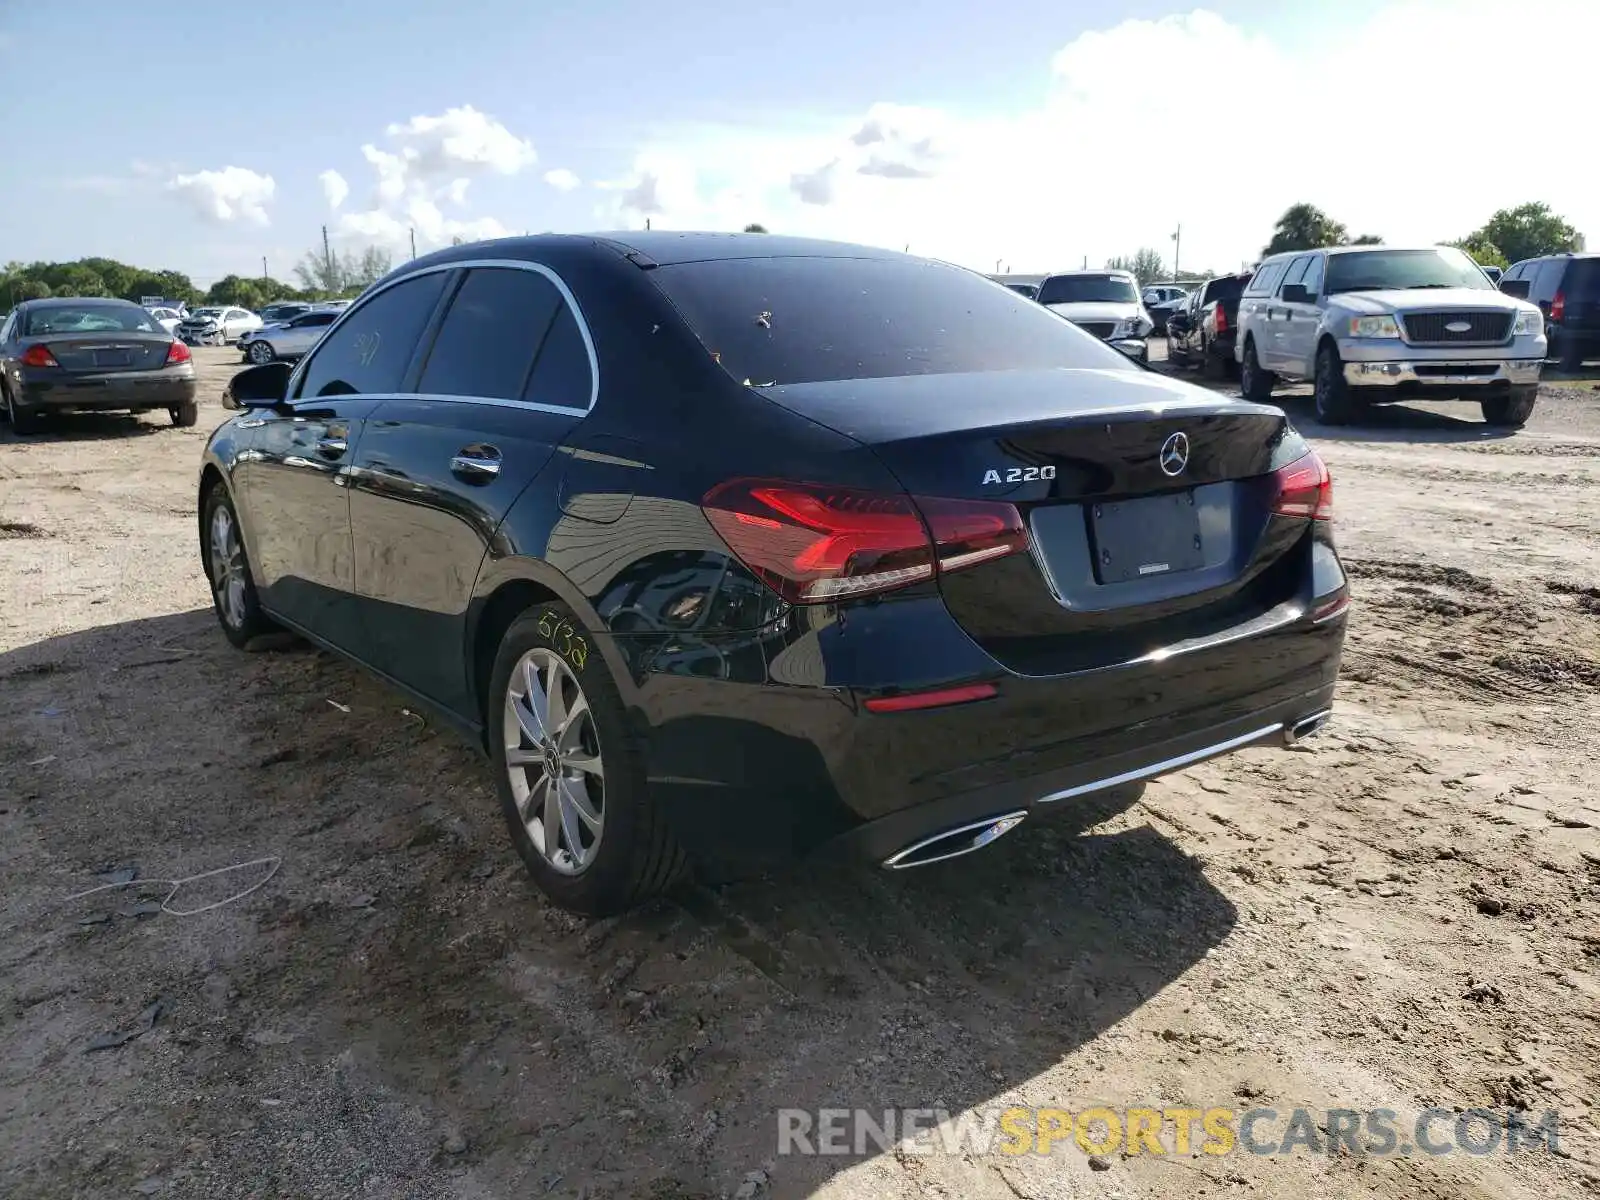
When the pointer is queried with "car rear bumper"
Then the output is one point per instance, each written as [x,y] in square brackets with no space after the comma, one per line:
[1453,374]
[111,391]
[764,761]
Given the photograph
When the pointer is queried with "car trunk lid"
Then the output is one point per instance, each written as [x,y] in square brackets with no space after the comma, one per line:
[108,351]
[1147,502]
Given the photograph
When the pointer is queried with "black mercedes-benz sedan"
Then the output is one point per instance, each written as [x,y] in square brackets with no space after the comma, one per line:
[91,355]
[730,548]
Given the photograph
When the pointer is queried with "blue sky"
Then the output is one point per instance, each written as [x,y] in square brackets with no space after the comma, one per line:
[1035,132]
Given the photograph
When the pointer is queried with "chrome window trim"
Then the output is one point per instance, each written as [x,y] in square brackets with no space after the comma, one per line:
[514,264]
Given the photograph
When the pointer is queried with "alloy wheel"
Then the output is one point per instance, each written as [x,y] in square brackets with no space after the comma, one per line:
[553,760]
[261,353]
[227,567]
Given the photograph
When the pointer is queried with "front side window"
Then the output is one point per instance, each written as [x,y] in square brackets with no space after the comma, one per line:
[495,325]
[1383,270]
[1313,277]
[369,353]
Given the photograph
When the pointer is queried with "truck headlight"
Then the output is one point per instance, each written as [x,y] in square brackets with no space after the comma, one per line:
[1130,327]
[1528,321]
[1374,327]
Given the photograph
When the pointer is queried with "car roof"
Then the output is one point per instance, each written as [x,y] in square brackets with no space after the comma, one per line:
[651,248]
[63,301]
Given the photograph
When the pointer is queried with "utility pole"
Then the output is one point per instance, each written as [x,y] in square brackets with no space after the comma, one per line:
[327,261]
[264,275]
[1085,262]
[647,222]
[413,242]
[1177,248]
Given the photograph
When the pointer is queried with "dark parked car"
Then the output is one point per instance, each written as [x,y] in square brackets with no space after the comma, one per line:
[91,355]
[1567,288]
[1030,290]
[1162,310]
[725,548]
[1201,333]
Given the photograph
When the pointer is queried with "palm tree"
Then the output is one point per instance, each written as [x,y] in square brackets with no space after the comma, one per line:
[1305,227]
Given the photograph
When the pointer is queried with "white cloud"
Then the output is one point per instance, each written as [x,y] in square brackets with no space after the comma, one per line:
[562,179]
[231,194]
[334,188]
[427,165]
[1389,123]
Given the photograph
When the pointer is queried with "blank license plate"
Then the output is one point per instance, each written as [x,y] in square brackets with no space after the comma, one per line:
[1137,539]
[113,358]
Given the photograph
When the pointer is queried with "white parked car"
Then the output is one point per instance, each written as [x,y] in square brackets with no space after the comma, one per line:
[217,325]
[168,318]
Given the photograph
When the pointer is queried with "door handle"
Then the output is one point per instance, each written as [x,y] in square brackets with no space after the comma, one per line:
[476,464]
[332,447]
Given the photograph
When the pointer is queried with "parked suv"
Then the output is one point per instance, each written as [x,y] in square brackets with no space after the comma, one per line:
[1566,287]
[1201,333]
[1104,303]
[1372,325]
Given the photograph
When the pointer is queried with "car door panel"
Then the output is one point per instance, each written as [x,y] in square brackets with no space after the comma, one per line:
[1300,330]
[295,474]
[435,478]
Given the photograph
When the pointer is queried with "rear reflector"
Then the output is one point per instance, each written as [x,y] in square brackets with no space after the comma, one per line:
[813,543]
[178,353]
[941,698]
[1304,489]
[39,356]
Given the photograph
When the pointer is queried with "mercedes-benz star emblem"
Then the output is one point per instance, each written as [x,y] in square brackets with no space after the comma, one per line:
[1175,454]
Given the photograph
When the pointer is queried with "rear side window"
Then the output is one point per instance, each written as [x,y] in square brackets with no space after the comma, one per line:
[488,339]
[1266,279]
[562,376]
[805,320]
[369,352]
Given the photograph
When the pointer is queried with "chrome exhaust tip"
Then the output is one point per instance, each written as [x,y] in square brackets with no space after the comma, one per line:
[953,843]
[1306,726]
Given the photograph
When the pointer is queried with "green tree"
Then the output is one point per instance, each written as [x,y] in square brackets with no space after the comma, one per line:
[1485,254]
[753,227]
[1527,231]
[1146,265]
[339,274]
[1367,239]
[1305,227]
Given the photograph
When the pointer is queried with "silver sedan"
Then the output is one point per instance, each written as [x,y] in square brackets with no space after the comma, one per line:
[290,340]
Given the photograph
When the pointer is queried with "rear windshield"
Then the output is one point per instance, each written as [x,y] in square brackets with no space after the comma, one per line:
[1372,270]
[775,321]
[1088,289]
[1582,279]
[1230,288]
[90,318]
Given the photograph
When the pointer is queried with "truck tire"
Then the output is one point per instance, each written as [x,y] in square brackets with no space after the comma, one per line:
[1254,383]
[1335,403]
[1510,410]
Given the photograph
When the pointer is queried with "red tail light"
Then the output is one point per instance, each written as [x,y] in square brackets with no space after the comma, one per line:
[39,356]
[812,543]
[1222,320]
[1558,307]
[1304,489]
[178,353]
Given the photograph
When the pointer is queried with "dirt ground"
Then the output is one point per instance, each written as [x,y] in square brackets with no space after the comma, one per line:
[1403,913]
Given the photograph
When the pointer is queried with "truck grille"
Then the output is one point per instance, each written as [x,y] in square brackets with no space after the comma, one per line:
[1100,329]
[1429,328]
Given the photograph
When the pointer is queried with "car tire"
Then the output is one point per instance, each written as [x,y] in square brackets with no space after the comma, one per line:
[23,421]
[1570,360]
[1254,383]
[227,568]
[261,352]
[1334,401]
[1510,410]
[624,852]
[185,415]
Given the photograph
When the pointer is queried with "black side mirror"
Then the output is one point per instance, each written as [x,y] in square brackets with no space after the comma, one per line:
[1515,287]
[266,386]
[1295,293]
